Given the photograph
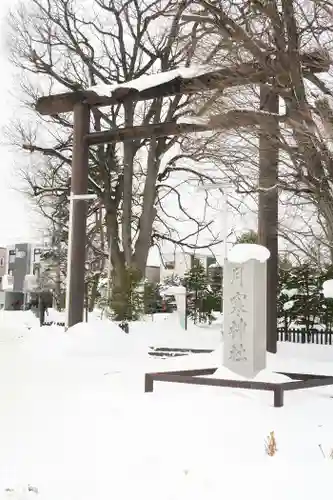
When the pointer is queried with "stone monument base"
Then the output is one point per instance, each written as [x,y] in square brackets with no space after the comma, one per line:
[197,377]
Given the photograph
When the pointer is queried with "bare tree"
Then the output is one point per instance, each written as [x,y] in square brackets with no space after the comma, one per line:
[65,45]
[287,43]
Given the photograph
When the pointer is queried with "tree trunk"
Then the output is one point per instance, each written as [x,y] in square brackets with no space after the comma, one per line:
[325,205]
[57,288]
[268,207]
[122,273]
[148,213]
[124,281]
[57,284]
[93,293]
[128,188]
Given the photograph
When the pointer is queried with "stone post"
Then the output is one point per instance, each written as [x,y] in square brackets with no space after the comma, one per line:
[245,317]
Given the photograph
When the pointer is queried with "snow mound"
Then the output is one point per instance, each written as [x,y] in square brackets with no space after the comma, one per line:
[271,377]
[101,338]
[16,319]
[45,343]
[175,290]
[288,305]
[166,332]
[247,251]
[223,372]
[290,293]
[55,316]
[264,376]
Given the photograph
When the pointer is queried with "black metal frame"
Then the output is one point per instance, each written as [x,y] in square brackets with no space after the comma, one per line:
[197,377]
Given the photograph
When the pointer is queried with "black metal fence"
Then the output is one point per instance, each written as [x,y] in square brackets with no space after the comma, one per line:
[293,335]
[312,336]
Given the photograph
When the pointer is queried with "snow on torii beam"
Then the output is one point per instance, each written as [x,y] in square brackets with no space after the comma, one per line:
[233,76]
[221,78]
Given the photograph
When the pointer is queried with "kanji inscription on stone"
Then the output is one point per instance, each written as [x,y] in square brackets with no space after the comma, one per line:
[244,317]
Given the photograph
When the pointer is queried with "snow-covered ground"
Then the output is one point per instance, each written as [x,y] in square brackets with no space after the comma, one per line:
[75,423]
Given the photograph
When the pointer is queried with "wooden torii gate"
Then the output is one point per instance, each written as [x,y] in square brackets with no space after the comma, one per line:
[81,102]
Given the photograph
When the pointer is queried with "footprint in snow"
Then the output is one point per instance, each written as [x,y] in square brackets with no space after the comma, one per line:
[30,489]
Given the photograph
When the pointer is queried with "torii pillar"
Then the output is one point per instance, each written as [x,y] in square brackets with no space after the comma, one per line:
[75,292]
[269,205]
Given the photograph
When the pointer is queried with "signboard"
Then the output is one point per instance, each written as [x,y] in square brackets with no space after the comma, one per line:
[244,317]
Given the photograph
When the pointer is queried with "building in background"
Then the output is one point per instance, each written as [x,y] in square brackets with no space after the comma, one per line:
[24,259]
[20,260]
[3,256]
[153,274]
[179,263]
[18,266]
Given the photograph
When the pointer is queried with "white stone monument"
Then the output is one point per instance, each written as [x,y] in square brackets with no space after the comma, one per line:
[179,293]
[244,309]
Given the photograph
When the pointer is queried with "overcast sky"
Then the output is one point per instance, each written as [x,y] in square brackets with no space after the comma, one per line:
[18,222]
